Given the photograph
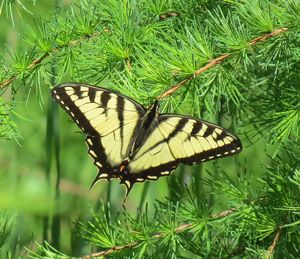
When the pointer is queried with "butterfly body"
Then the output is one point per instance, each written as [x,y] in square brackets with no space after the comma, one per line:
[134,144]
[147,123]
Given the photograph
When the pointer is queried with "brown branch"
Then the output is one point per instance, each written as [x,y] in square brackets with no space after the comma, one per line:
[211,64]
[128,64]
[179,229]
[266,36]
[7,81]
[223,214]
[272,247]
[110,251]
[217,61]
[169,14]
[39,60]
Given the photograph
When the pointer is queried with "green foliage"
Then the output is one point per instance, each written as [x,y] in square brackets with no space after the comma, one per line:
[8,129]
[246,206]
[13,7]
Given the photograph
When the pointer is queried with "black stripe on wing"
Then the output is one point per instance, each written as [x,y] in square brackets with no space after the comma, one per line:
[92,94]
[180,125]
[63,98]
[120,106]
[60,95]
[97,152]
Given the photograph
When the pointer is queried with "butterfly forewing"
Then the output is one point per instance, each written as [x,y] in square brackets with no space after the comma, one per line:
[180,139]
[108,118]
[201,140]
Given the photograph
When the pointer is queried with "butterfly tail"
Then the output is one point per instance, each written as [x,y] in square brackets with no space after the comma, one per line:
[99,177]
[128,185]
[95,181]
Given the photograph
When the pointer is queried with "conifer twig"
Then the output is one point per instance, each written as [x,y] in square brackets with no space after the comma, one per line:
[272,247]
[128,64]
[268,35]
[179,229]
[211,64]
[37,61]
[216,61]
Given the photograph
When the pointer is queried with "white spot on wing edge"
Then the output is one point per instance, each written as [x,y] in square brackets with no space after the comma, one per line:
[152,177]
[92,153]
[88,140]
[98,164]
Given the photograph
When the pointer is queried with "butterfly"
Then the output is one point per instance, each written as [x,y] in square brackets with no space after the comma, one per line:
[134,144]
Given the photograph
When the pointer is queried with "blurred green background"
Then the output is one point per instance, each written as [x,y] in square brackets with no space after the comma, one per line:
[28,177]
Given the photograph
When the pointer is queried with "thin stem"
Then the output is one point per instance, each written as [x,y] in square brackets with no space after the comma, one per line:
[217,61]
[39,60]
[272,247]
[268,35]
[56,224]
[48,151]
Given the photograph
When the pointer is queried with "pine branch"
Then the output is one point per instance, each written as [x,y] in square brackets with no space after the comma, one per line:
[267,36]
[179,229]
[169,92]
[217,61]
[39,60]
[272,247]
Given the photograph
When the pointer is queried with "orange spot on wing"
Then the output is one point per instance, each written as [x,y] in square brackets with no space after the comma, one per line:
[122,168]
